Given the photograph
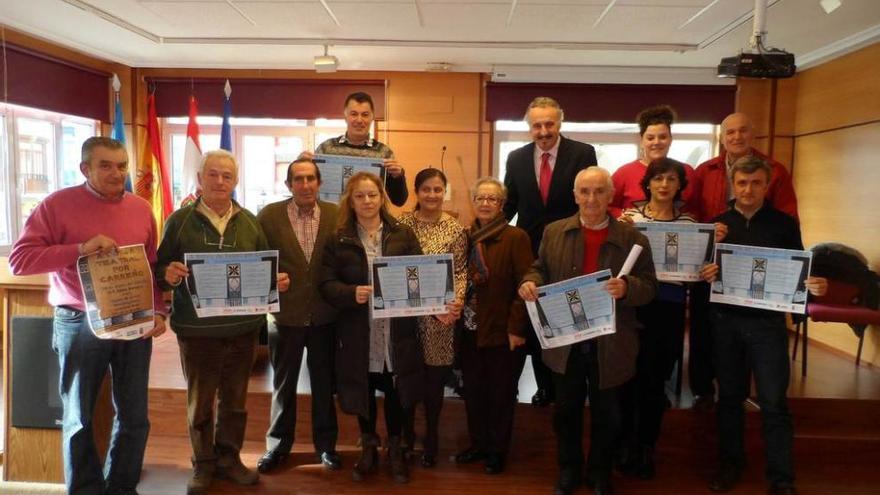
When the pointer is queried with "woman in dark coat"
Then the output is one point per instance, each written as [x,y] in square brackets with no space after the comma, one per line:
[371,354]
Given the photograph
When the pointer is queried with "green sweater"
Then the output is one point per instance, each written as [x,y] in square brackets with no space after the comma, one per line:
[189,231]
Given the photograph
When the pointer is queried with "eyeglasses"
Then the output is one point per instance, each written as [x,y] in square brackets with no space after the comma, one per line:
[492,200]
[220,245]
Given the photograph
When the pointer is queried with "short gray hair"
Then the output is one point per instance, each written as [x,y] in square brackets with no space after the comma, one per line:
[89,145]
[750,164]
[218,154]
[491,181]
[544,102]
[601,171]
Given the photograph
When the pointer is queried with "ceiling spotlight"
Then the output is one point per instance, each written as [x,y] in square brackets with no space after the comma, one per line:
[829,6]
[326,62]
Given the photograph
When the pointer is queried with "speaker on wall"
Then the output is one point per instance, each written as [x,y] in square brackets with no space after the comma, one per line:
[36,402]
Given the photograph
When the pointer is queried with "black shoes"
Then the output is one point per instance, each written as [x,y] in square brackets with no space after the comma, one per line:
[645,469]
[330,460]
[704,403]
[271,460]
[470,456]
[726,478]
[428,460]
[494,464]
[569,480]
[542,398]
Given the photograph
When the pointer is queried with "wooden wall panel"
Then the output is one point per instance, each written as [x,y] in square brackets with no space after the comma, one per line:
[786,106]
[836,177]
[436,102]
[753,97]
[840,93]
[783,150]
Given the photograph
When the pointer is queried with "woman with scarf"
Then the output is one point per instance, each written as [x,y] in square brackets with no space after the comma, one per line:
[495,322]
[438,233]
[371,353]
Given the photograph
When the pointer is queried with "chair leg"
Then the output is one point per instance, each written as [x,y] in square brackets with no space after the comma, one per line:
[859,352]
[797,338]
[806,343]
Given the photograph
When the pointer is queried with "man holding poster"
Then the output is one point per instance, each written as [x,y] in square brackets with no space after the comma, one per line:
[216,352]
[756,339]
[582,244]
[94,218]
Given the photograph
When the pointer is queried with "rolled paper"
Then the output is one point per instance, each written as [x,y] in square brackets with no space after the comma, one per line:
[630,260]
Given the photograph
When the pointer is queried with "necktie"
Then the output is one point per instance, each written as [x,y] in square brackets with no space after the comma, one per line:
[546,175]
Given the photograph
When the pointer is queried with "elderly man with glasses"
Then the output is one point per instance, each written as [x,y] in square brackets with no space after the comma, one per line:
[216,352]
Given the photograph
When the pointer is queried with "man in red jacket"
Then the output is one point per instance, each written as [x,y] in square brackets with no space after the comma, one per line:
[714,193]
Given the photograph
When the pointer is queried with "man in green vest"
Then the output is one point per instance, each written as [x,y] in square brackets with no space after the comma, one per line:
[298,228]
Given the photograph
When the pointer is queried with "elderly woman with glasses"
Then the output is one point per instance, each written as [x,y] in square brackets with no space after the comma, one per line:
[494,320]
[372,353]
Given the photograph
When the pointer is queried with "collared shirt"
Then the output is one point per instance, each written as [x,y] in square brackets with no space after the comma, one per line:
[539,154]
[98,195]
[305,226]
[218,221]
[380,328]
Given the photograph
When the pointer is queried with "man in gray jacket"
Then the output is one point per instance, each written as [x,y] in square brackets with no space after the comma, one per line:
[298,228]
[584,243]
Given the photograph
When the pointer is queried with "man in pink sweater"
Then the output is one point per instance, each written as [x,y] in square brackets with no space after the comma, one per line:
[94,217]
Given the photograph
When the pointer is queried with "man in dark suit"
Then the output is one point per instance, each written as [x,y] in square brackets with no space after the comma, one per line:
[299,227]
[540,181]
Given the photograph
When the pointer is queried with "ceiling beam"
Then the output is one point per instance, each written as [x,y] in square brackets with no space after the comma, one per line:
[419,13]
[698,14]
[241,13]
[604,12]
[330,12]
[510,14]
[112,19]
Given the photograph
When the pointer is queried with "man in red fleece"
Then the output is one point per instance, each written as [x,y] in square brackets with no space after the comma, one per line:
[94,217]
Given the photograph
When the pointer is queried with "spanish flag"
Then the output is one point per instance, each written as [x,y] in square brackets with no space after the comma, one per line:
[153,177]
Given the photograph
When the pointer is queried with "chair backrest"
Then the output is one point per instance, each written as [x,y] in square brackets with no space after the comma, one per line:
[840,293]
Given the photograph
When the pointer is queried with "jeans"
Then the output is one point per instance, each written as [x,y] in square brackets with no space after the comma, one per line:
[83,360]
[760,342]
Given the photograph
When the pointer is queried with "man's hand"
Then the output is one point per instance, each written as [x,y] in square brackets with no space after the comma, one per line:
[515,341]
[393,169]
[100,244]
[175,273]
[709,272]
[528,291]
[362,293]
[817,286]
[158,327]
[617,287]
[283,282]
[720,231]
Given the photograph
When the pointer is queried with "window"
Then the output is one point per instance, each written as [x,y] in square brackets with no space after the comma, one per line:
[39,154]
[263,148]
[616,144]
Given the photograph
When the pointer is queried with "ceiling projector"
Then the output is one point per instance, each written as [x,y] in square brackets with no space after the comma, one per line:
[769,65]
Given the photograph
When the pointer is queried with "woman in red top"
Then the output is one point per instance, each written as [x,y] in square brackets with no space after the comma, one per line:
[655,138]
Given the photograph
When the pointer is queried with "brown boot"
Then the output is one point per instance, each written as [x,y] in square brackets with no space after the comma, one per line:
[399,468]
[202,476]
[368,462]
[232,468]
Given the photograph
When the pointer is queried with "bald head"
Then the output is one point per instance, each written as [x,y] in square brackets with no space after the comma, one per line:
[737,135]
[593,191]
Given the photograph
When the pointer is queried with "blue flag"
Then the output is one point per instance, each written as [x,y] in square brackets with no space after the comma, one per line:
[118,133]
[226,128]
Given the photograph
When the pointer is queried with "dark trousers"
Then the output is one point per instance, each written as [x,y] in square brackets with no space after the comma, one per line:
[383,382]
[436,378]
[490,381]
[543,375]
[643,400]
[216,369]
[759,343]
[701,351]
[286,346]
[581,379]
